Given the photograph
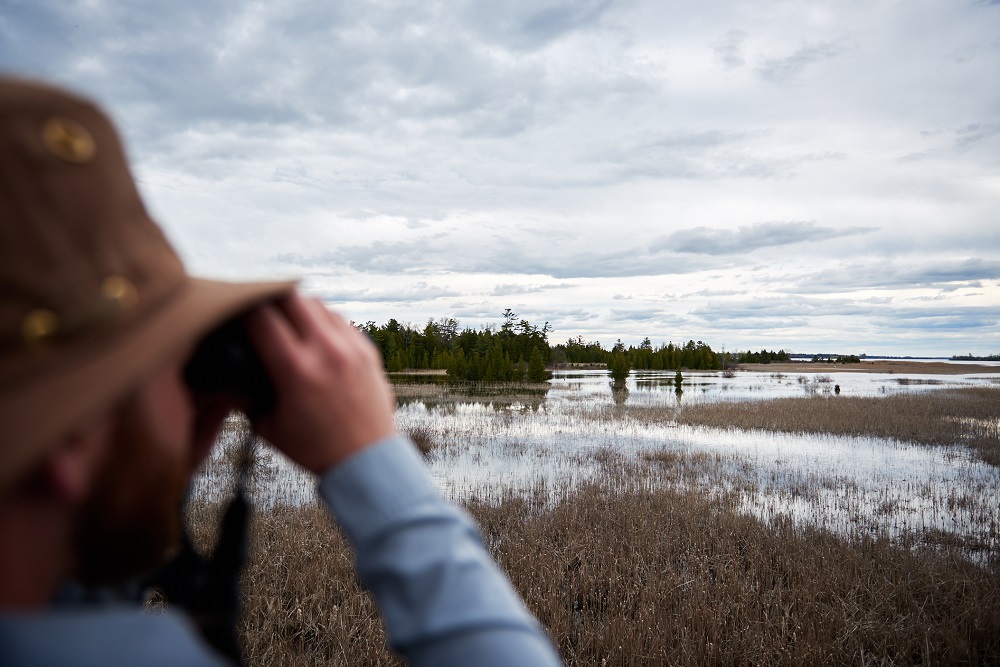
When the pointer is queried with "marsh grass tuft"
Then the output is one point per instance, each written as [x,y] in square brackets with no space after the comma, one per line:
[423,437]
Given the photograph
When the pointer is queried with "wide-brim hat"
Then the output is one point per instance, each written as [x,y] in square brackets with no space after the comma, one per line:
[92,296]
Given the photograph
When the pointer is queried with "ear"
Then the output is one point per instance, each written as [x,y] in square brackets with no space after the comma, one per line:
[71,468]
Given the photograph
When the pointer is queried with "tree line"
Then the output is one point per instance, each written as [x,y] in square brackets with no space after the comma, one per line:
[518,350]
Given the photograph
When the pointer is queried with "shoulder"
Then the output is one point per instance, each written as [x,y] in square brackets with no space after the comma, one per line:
[102,637]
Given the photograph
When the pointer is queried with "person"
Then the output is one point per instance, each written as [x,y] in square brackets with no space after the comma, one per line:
[100,434]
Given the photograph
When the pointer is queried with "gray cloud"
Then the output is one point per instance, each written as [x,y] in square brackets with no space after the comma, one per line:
[787,68]
[729,49]
[363,65]
[941,319]
[442,253]
[976,134]
[649,315]
[819,314]
[514,289]
[746,239]
[971,137]
[411,292]
[526,25]
[715,293]
[572,314]
[941,274]
[705,154]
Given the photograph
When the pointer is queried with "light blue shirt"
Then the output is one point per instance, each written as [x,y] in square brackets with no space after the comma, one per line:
[443,599]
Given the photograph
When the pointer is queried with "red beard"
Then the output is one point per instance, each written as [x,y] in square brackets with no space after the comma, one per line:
[132,521]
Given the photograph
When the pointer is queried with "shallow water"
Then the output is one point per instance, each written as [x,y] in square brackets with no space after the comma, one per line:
[656,387]
[846,484]
[488,446]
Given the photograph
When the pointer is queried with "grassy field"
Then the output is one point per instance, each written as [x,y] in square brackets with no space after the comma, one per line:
[639,568]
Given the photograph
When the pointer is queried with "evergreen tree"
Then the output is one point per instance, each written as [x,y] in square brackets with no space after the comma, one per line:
[619,366]
[536,367]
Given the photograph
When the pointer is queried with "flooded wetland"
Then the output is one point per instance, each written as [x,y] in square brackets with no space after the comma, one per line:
[758,517]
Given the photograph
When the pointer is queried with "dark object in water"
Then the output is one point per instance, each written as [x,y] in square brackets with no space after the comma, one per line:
[836,389]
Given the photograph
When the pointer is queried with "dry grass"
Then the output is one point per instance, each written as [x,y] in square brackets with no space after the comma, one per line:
[967,416]
[423,438]
[665,577]
[631,572]
[303,602]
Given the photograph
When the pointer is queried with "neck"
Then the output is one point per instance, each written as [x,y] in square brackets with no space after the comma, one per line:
[36,540]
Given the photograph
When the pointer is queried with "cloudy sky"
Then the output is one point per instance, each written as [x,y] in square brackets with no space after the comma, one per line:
[818,176]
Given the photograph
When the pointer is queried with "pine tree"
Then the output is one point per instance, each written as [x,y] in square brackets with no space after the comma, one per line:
[619,366]
[536,367]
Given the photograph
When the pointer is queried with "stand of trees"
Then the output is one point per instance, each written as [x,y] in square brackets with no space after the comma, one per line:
[762,357]
[518,351]
[971,357]
[694,355]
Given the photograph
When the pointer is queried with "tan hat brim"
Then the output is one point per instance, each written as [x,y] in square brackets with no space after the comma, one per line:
[44,410]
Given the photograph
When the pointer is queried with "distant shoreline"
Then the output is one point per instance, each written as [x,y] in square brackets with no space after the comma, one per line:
[881,366]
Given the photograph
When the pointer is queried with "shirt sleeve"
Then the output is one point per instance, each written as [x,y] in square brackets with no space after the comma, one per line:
[444,600]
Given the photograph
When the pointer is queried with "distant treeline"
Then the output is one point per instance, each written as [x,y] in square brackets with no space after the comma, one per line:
[518,350]
[645,357]
[762,357]
[837,359]
[969,357]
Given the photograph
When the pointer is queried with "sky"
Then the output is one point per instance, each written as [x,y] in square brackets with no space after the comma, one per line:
[814,176]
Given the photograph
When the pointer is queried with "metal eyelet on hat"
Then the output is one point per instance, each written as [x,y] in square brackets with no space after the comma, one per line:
[121,290]
[38,327]
[68,140]
[41,326]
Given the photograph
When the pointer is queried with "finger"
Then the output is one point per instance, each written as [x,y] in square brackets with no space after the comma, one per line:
[337,333]
[273,337]
[322,311]
[324,314]
[301,315]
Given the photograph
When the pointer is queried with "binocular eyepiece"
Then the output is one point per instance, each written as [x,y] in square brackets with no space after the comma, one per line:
[226,362]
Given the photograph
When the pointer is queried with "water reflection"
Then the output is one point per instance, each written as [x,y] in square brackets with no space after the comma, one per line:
[494,439]
[847,484]
[654,387]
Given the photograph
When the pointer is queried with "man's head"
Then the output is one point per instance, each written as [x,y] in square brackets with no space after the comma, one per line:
[95,310]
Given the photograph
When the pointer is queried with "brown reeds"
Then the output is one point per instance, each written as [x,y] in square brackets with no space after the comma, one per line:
[966,416]
[423,438]
[303,602]
[632,571]
[651,577]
